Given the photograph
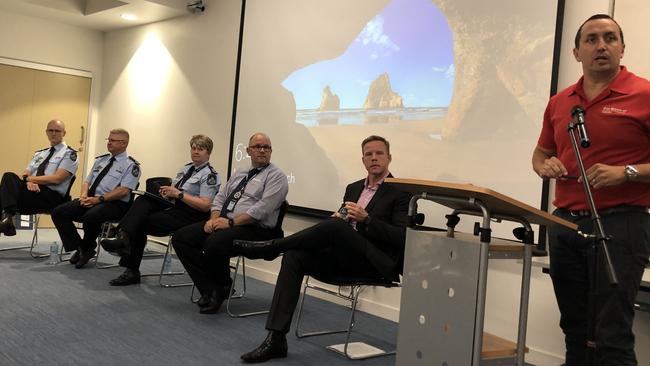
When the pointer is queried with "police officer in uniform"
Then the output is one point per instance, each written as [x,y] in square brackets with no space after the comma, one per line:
[44,182]
[105,195]
[190,196]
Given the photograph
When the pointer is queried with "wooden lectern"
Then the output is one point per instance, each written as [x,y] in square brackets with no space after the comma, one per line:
[445,275]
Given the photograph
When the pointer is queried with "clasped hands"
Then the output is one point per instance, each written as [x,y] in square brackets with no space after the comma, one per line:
[598,175]
[354,212]
[217,223]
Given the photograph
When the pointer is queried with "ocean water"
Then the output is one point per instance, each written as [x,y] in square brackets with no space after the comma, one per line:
[312,117]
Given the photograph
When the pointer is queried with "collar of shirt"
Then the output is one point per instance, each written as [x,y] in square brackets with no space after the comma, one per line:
[375,186]
[198,168]
[618,85]
[59,146]
[121,157]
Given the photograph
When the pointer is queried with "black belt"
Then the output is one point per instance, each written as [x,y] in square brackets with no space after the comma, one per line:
[607,211]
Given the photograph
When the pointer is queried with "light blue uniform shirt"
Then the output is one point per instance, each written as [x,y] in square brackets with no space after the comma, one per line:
[125,172]
[64,157]
[262,198]
[204,182]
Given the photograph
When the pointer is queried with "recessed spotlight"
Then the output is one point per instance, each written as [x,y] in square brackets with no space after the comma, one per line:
[128,16]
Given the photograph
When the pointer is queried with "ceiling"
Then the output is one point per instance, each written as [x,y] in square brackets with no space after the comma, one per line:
[102,15]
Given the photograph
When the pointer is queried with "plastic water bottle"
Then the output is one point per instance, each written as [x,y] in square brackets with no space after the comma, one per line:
[54,254]
[167,264]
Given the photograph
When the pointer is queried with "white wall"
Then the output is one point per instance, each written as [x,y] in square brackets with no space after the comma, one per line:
[50,43]
[167,81]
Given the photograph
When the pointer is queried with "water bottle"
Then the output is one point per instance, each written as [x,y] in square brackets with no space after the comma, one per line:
[167,264]
[54,254]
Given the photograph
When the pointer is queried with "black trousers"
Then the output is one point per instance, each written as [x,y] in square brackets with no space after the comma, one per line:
[206,257]
[149,217]
[571,262]
[91,219]
[16,198]
[329,248]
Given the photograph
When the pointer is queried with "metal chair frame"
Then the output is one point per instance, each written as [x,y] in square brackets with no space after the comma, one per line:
[355,287]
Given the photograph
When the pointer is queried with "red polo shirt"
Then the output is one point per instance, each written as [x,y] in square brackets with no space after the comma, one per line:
[618,124]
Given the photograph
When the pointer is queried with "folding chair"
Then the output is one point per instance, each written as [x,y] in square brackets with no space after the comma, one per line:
[241,259]
[356,285]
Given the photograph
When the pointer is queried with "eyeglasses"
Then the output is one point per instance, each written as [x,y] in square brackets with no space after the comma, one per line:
[113,140]
[260,147]
[50,130]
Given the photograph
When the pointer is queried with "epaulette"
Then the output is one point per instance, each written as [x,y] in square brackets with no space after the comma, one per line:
[135,161]
[188,164]
[212,169]
[37,151]
[101,156]
[70,148]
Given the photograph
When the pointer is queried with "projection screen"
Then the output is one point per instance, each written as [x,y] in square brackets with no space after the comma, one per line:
[458,87]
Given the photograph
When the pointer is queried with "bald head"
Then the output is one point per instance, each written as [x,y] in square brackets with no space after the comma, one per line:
[55,131]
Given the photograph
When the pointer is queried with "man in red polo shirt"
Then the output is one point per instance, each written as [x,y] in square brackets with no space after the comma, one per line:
[617,109]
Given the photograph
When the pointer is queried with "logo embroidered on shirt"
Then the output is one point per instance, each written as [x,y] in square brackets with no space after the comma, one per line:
[613,110]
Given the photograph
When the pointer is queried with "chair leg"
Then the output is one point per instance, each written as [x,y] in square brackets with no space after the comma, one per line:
[307,285]
[27,246]
[233,295]
[353,297]
[162,273]
[106,227]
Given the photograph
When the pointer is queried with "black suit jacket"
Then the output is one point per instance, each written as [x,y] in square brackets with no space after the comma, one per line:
[386,227]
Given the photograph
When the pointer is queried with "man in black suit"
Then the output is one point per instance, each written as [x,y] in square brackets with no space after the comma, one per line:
[365,238]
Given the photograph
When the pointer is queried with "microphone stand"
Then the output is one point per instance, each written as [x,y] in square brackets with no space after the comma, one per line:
[600,243]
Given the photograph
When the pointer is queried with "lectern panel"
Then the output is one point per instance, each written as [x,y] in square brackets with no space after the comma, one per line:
[439,296]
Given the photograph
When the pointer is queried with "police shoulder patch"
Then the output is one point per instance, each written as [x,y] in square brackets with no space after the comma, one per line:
[212,179]
[73,155]
[135,171]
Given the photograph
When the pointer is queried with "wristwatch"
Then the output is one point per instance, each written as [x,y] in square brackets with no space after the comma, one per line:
[101,198]
[231,222]
[180,196]
[631,172]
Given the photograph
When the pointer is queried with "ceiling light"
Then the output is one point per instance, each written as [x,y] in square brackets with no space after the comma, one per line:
[128,16]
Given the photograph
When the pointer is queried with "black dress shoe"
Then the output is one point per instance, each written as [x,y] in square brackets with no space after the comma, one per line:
[274,346]
[84,257]
[7,226]
[213,305]
[120,244]
[204,301]
[75,257]
[268,250]
[129,277]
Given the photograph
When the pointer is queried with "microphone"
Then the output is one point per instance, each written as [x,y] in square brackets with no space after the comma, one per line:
[578,115]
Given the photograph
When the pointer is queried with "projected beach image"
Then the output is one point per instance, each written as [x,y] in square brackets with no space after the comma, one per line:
[390,73]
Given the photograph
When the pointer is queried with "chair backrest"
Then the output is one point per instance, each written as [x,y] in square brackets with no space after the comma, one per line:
[67,197]
[278,224]
[152,185]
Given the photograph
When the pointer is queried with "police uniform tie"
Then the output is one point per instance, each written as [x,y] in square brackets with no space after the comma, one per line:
[236,194]
[41,168]
[100,176]
[187,176]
